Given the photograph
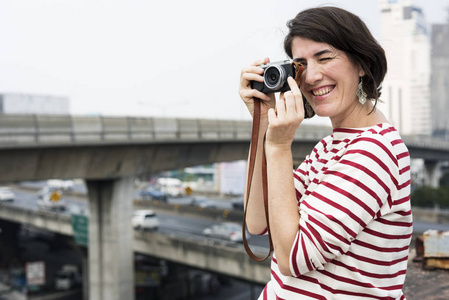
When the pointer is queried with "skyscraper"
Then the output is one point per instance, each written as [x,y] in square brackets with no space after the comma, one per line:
[406,88]
[439,83]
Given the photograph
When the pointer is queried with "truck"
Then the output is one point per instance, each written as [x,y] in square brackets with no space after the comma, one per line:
[171,186]
[67,277]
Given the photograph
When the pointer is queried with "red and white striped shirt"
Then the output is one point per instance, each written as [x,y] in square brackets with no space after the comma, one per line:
[353,194]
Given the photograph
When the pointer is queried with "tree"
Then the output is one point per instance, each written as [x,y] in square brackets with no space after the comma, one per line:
[427,196]
[444,181]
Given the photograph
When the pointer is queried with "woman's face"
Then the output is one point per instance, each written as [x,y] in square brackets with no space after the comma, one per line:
[329,80]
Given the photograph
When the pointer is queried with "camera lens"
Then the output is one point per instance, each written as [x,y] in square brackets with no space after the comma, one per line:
[274,77]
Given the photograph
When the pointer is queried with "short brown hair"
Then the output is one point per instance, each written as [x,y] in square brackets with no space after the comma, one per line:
[346,32]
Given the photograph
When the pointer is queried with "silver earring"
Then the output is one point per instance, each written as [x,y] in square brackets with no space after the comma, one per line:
[361,93]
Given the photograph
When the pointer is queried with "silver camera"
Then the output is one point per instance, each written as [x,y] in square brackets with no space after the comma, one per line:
[275,77]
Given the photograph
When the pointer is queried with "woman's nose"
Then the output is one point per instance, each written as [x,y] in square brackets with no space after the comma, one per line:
[313,74]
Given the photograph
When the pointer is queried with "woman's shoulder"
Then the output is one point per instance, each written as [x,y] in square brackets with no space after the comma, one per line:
[384,133]
[382,129]
[382,141]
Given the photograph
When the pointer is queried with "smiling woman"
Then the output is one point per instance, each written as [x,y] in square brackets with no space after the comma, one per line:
[329,80]
[341,222]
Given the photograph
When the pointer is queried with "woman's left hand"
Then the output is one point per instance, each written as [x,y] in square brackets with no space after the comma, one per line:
[285,120]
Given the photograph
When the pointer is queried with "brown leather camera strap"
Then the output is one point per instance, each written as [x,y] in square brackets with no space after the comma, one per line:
[251,163]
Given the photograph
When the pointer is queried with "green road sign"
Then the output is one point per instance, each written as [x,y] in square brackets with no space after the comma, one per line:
[80,225]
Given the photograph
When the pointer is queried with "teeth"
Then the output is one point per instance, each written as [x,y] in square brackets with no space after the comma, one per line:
[322,91]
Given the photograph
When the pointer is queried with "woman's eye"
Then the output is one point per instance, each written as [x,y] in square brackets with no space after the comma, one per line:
[325,58]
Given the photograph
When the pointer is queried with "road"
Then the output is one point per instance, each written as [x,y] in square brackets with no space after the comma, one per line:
[174,223]
[420,283]
[169,223]
[40,249]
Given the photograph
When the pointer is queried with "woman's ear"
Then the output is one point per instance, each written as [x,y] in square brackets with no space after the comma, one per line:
[361,72]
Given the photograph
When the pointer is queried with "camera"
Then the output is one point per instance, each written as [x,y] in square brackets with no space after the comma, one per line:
[275,77]
[275,80]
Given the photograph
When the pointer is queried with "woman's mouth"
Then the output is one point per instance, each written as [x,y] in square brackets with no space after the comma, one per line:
[323,91]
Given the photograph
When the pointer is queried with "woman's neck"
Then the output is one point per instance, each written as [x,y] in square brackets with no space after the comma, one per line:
[362,116]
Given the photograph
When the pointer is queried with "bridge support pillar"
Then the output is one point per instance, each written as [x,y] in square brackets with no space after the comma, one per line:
[433,173]
[85,272]
[111,260]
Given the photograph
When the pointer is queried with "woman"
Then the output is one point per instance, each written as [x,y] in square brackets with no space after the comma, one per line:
[341,223]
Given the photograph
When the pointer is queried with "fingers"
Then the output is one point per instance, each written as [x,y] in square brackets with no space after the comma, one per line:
[262,61]
[286,105]
[294,88]
[297,95]
[289,114]
[290,102]
[252,73]
[271,115]
[283,121]
[249,73]
[248,94]
[280,105]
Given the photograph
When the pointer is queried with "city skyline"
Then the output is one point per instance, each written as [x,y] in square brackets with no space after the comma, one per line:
[174,59]
[407,83]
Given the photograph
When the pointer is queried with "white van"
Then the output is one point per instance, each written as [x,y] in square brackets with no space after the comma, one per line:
[145,219]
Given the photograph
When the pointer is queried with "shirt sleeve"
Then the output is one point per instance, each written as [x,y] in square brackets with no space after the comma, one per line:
[341,199]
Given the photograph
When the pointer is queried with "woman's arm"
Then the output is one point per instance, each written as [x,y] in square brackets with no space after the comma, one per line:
[283,209]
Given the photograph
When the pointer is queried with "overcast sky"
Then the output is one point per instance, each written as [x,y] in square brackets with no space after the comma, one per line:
[151,58]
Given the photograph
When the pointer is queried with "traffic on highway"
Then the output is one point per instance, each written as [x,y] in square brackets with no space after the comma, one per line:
[74,201]
[146,216]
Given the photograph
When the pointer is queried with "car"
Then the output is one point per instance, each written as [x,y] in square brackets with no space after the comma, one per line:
[225,231]
[171,186]
[152,193]
[145,219]
[68,277]
[6,194]
[238,203]
[203,203]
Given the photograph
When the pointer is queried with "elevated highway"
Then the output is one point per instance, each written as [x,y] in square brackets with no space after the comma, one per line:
[198,253]
[35,147]
[109,152]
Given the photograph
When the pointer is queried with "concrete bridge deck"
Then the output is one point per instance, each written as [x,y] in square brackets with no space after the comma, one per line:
[219,258]
[36,147]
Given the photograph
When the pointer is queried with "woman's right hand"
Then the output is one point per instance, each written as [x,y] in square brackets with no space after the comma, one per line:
[254,73]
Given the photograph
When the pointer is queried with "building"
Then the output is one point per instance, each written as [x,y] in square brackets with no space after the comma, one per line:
[439,83]
[11,103]
[232,177]
[224,178]
[406,88]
